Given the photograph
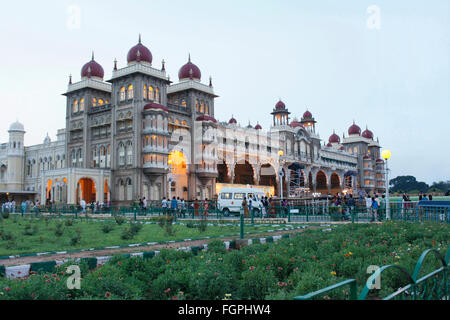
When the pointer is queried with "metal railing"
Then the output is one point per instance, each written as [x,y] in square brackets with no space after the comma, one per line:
[432,286]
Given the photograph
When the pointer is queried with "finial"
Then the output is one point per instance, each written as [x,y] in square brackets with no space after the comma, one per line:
[210,81]
[70,79]
[163,65]
[139,38]
[189,57]
[92,55]
[115,64]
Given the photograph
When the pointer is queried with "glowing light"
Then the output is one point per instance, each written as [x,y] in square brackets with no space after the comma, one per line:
[386,154]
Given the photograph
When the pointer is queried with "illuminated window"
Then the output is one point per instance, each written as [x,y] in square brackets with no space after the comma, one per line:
[183,103]
[100,102]
[206,107]
[130,91]
[157,95]
[367,181]
[144,93]
[122,93]
[150,93]
[81,104]
[201,107]
[197,106]
[94,102]
[75,106]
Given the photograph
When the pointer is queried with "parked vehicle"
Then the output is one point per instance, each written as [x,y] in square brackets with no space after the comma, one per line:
[230,200]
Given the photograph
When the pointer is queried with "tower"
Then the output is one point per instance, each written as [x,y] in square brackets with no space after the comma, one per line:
[16,157]
[280,114]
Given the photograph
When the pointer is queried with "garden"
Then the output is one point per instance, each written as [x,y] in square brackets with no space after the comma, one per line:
[33,235]
[313,259]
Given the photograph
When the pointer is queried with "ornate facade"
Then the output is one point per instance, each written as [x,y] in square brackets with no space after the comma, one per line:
[138,134]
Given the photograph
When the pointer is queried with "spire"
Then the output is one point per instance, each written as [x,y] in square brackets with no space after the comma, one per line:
[163,65]
[139,38]
[70,79]
[115,64]
[92,55]
[189,57]
[210,81]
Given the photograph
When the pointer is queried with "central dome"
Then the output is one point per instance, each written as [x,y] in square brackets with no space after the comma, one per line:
[189,71]
[280,105]
[354,129]
[139,53]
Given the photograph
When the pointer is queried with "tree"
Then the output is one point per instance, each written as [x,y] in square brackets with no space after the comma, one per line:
[407,184]
[443,186]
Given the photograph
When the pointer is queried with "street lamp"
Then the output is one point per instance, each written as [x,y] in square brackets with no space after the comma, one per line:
[386,154]
[280,154]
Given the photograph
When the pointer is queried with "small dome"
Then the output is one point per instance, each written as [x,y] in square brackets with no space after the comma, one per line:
[16,126]
[280,105]
[380,161]
[47,139]
[295,124]
[342,148]
[366,157]
[139,53]
[189,71]
[354,129]
[232,120]
[334,138]
[307,115]
[329,144]
[258,127]
[92,69]
[155,106]
[367,134]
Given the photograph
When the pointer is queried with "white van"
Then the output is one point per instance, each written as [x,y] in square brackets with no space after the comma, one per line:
[230,200]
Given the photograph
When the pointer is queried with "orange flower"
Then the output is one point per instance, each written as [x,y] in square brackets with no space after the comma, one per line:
[107,294]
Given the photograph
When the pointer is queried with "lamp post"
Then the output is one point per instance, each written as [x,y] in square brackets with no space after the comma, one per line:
[280,154]
[386,154]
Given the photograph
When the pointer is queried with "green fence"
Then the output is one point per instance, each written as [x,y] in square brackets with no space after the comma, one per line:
[432,286]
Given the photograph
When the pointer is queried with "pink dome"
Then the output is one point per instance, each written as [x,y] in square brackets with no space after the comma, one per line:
[155,106]
[280,105]
[380,161]
[139,53]
[258,127]
[334,138]
[189,71]
[366,157]
[232,120]
[329,144]
[342,148]
[367,134]
[92,69]
[354,129]
[307,115]
[295,124]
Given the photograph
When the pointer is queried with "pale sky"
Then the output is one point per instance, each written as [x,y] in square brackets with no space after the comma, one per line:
[319,55]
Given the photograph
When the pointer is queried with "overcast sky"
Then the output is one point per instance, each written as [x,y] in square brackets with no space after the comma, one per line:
[333,57]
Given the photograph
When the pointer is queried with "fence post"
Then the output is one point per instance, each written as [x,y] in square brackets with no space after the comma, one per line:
[289,213]
[242,224]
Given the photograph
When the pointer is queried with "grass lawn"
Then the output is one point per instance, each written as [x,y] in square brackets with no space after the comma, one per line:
[43,237]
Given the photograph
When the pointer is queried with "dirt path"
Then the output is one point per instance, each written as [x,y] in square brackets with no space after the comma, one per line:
[109,252]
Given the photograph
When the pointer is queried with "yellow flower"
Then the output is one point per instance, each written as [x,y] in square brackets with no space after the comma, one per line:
[333,273]
[227,294]
[350,253]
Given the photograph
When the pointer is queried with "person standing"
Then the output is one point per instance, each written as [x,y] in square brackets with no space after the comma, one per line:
[374,209]
[144,204]
[83,206]
[368,204]
[350,205]
[245,206]
[173,206]
[164,205]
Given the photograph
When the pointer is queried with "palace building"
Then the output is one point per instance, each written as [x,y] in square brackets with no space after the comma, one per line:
[138,134]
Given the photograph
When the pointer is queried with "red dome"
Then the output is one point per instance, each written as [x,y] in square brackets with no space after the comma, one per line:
[354,129]
[280,105]
[334,138]
[307,115]
[205,118]
[189,71]
[139,53]
[367,134]
[329,144]
[232,120]
[295,124]
[380,160]
[155,106]
[258,127]
[342,148]
[366,157]
[92,69]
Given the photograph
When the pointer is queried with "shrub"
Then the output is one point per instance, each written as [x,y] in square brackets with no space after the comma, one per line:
[59,230]
[7,236]
[5,215]
[119,219]
[69,222]
[29,231]
[135,228]
[106,228]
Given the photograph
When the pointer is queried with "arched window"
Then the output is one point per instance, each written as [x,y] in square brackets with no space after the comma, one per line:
[157,98]
[74,158]
[122,94]
[94,102]
[150,93]
[144,92]
[129,192]
[94,157]
[75,106]
[121,154]
[206,107]
[183,103]
[80,158]
[102,157]
[197,105]
[81,104]
[100,102]
[108,156]
[201,107]
[130,92]
[129,153]
[121,190]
